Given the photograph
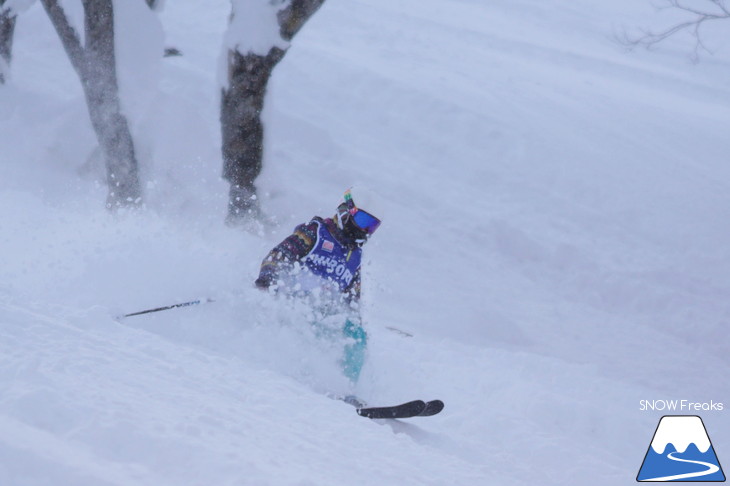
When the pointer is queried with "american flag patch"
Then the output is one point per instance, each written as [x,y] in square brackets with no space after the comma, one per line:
[328,246]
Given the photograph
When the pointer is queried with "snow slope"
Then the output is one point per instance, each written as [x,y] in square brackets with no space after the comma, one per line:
[555,238]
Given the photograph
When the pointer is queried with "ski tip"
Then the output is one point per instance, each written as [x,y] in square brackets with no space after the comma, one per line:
[432,408]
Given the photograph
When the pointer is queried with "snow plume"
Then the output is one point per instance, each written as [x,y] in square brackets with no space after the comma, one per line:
[254,26]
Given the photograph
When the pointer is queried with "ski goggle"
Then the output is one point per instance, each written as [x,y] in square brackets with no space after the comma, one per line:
[362,219]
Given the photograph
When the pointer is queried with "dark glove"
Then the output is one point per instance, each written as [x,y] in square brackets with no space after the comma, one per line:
[263,282]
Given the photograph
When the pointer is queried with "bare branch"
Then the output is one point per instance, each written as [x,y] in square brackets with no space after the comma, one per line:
[69,37]
[715,10]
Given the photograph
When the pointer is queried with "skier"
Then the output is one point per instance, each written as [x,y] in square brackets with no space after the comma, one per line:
[320,262]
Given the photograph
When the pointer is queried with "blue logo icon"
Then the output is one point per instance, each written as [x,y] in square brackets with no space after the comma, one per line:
[681,451]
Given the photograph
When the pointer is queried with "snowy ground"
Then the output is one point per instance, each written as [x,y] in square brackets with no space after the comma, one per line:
[555,237]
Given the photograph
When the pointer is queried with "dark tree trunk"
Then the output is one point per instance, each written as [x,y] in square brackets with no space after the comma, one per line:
[241,104]
[96,66]
[7,28]
[102,96]
[242,129]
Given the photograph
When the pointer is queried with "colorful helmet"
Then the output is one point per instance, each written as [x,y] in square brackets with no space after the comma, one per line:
[357,211]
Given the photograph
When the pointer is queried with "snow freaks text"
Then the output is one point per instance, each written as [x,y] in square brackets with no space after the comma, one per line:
[680,406]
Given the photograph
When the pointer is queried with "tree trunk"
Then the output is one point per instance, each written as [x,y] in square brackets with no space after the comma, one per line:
[242,130]
[7,28]
[241,104]
[96,66]
[102,97]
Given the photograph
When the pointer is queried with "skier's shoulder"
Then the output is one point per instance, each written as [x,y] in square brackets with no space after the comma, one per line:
[317,221]
[307,233]
[310,228]
[313,225]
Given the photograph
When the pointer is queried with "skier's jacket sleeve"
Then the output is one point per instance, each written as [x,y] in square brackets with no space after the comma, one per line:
[281,258]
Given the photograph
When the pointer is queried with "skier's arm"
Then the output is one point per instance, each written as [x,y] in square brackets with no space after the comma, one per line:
[281,258]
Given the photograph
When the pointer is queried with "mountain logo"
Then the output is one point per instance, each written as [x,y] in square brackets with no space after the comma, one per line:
[680,451]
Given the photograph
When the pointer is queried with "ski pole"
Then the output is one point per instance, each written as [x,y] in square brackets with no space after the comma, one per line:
[168,307]
[398,331]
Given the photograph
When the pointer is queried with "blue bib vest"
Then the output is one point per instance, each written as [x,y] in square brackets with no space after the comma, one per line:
[332,261]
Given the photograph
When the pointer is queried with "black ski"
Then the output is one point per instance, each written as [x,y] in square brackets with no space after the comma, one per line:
[416,408]
[404,410]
